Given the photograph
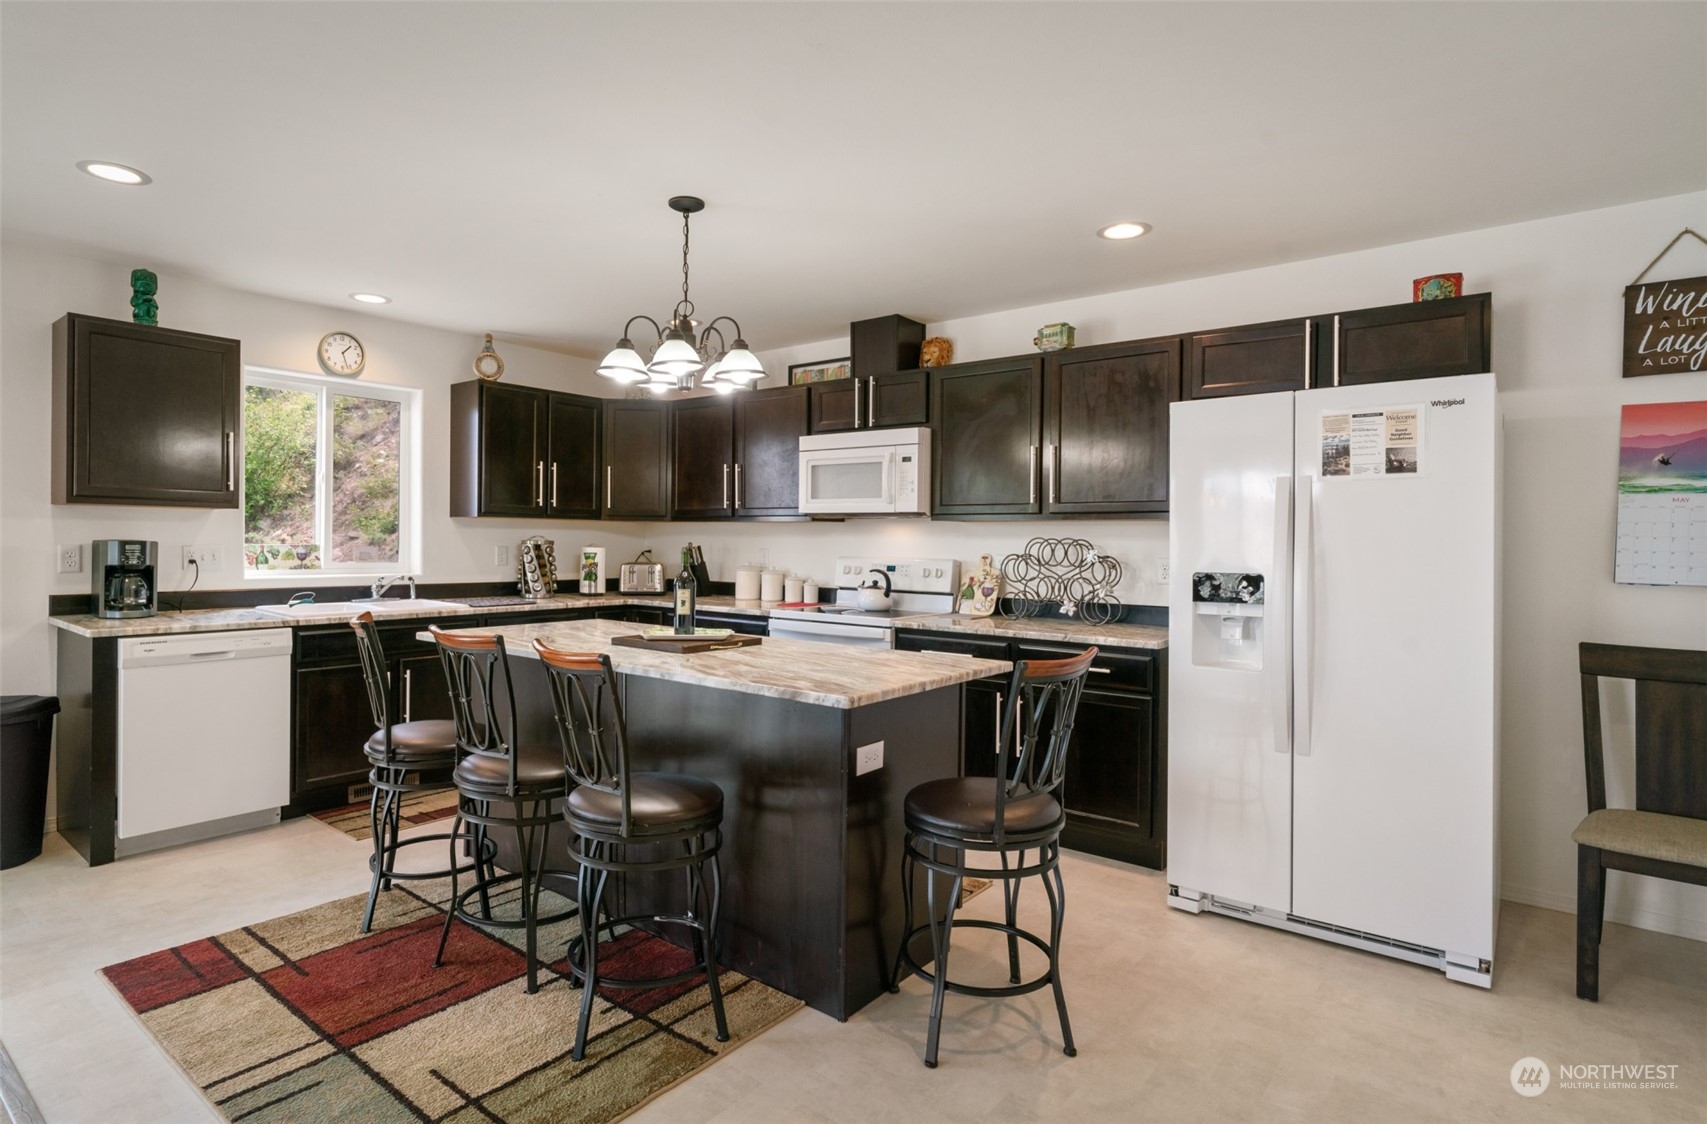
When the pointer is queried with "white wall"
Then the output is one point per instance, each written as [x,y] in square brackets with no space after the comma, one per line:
[1557,287]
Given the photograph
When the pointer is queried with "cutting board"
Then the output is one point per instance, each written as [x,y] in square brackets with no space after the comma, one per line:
[687,643]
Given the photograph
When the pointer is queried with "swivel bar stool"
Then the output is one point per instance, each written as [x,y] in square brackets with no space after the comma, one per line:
[1009,814]
[626,822]
[404,758]
[495,768]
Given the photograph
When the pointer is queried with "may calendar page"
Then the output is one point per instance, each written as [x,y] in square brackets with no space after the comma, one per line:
[1662,495]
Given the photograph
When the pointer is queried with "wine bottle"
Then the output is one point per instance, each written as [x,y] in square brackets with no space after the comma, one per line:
[685,597]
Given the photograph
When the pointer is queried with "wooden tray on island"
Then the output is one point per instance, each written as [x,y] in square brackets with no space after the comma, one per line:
[687,644]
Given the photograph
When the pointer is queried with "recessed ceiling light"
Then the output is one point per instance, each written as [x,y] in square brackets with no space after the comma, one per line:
[1122,230]
[114,173]
[370,298]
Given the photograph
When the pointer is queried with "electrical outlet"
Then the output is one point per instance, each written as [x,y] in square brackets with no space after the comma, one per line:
[206,559]
[500,556]
[69,559]
[1162,570]
[764,556]
[868,759]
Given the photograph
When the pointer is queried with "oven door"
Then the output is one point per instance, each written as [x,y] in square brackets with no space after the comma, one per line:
[847,481]
[852,635]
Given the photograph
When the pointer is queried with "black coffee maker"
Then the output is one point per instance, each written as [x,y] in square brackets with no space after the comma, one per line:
[123,571]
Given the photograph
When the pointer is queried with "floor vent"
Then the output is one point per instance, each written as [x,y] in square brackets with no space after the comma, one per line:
[359,793]
[1359,934]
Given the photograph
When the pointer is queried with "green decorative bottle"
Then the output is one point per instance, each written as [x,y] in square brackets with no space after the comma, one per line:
[685,597]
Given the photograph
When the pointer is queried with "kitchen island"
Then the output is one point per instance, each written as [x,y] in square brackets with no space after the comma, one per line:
[811,857]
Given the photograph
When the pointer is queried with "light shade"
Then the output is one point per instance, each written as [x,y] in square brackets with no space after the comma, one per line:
[623,364]
[675,359]
[740,365]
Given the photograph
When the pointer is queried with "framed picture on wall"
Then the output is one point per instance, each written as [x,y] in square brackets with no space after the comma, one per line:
[824,370]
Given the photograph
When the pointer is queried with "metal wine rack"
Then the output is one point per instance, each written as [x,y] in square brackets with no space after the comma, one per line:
[1070,575]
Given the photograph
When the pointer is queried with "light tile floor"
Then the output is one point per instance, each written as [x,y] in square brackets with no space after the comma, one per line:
[1178,1018]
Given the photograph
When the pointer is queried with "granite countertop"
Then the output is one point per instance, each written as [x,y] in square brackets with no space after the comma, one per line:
[221,620]
[797,670]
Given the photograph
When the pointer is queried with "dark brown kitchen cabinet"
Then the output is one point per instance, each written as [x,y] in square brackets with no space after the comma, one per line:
[637,459]
[988,433]
[874,402]
[144,415]
[703,458]
[1106,427]
[884,345]
[1421,340]
[768,427]
[519,450]
[1253,359]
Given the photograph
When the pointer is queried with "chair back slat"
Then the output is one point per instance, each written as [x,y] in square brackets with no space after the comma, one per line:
[374,674]
[590,724]
[1037,726]
[1670,721]
[477,668]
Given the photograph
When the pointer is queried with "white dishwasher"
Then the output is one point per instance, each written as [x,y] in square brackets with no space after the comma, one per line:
[204,734]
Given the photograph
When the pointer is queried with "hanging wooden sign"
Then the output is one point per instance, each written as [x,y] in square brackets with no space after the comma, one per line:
[1665,327]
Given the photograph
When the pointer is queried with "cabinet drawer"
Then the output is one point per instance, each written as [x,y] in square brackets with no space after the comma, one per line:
[330,642]
[950,643]
[1124,670]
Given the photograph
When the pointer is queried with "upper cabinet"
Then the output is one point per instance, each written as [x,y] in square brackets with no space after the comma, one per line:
[519,450]
[1249,360]
[1422,340]
[637,459]
[1106,427]
[144,415]
[703,457]
[739,455]
[871,402]
[988,434]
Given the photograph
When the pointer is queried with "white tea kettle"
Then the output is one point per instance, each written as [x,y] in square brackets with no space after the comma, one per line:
[874,598]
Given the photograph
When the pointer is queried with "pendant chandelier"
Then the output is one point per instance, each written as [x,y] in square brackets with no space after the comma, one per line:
[683,350]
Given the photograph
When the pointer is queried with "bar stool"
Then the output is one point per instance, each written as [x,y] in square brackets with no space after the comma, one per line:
[1008,814]
[627,822]
[425,751]
[496,767]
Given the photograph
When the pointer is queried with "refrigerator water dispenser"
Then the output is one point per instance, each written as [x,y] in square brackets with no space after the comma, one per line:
[1228,620]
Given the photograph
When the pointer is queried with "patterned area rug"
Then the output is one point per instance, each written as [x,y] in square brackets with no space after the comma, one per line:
[418,808]
[303,1019]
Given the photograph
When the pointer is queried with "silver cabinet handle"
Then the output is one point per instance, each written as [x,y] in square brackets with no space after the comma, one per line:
[997,740]
[539,483]
[231,461]
[408,691]
[553,483]
[856,403]
[607,485]
[1308,326]
[871,404]
[1054,472]
[1034,471]
[726,487]
[1101,670]
[1336,350]
[737,485]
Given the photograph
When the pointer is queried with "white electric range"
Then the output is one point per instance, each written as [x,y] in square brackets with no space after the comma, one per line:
[918,586]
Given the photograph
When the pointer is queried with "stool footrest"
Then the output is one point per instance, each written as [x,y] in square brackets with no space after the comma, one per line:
[1021,988]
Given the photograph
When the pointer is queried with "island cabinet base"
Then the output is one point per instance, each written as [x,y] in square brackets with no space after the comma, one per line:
[811,857]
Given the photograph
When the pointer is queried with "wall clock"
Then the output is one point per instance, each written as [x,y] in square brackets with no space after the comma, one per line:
[342,354]
[487,364]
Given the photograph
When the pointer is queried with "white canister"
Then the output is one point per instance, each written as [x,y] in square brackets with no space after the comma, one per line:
[592,570]
[771,585]
[809,593]
[747,582]
[793,589]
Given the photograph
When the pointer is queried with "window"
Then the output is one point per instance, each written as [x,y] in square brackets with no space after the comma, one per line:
[329,479]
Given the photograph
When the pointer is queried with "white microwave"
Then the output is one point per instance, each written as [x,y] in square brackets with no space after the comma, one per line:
[866,472]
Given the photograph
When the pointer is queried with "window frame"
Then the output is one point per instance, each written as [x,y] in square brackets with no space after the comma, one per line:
[324,387]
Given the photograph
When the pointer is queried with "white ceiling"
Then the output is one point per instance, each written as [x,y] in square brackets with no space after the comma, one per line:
[504,167]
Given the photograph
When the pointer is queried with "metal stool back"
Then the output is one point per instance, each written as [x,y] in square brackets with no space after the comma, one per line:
[679,827]
[950,820]
[407,758]
[496,767]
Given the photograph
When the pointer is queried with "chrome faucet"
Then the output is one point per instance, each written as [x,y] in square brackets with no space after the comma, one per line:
[380,585]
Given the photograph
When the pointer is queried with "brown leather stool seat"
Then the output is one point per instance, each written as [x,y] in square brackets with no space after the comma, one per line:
[658,802]
[966,806]
[538,768]
[430,739]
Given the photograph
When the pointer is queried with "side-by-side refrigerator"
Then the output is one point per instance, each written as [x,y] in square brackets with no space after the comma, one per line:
[1333,670]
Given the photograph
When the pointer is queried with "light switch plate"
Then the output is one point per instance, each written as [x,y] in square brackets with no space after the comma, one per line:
[206,558]
[500,556]
[868,759]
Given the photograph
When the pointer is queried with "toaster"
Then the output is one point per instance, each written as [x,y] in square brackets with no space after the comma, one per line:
[640,577]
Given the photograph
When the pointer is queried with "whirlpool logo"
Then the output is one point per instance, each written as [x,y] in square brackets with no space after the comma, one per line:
[1445,403]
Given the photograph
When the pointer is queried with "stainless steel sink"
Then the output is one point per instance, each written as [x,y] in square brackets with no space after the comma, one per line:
[385,606]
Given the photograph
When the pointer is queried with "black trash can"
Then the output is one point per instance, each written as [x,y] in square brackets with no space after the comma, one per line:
[26,738]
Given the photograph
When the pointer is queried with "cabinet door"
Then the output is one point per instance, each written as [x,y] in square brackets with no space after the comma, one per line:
[1424,340]
[332,723]
[989,423]
[512,450]
[1250,360]
[572,457]
[836,405]
[768,427]
[704,461]
[423,692]
[637,460]
[1106,437]
[899,399]
[1110,760]
[980,725]
[144,415]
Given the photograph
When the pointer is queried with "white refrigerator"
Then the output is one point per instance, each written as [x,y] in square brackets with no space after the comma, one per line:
[1333,669]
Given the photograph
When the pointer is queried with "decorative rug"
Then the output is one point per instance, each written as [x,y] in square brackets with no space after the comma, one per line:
[972,887]
[304,1019]
[418,808]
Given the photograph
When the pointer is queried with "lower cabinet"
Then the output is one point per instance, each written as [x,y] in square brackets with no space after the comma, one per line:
[734,622]
[1115,788]
[635,614]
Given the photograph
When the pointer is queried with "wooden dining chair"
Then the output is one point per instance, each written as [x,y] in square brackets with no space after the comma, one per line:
[1665,834]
